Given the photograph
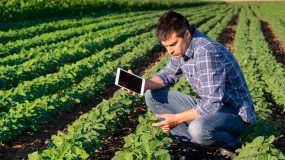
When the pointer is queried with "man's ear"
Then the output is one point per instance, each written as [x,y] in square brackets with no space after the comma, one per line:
[187,34]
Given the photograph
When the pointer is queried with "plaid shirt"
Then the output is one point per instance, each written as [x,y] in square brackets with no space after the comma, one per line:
[214,74]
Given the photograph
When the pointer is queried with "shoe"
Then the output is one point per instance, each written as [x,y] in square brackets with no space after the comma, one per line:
[229,152]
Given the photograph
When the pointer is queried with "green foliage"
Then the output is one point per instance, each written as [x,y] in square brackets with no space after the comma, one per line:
[260,149]
[249,46]
[90,131]
[146,143]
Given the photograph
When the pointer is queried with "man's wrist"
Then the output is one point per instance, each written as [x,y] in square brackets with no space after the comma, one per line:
[177,118]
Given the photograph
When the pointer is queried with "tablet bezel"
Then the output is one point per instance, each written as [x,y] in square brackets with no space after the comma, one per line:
[117,81]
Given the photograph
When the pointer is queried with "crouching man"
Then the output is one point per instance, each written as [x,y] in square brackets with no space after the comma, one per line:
[222,109]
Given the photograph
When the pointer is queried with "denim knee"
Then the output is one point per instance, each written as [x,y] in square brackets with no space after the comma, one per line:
[148,98]
[199,133]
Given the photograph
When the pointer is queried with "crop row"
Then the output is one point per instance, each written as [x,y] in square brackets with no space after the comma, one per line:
[35,28]
[65,37]
[212,22]
[53,60]
[62,35]
[272,73]
[216,31]
[272,13]
[258,142]
[32,31]
[67,75]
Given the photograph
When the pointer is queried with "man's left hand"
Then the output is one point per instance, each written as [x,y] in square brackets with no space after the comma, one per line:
[170,121]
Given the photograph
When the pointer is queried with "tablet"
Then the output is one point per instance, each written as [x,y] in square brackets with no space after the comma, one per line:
[130,81]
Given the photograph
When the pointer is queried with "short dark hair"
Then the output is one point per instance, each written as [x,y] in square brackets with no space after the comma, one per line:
[171,22]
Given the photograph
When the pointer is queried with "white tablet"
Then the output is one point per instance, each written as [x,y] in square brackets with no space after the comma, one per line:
[130,81]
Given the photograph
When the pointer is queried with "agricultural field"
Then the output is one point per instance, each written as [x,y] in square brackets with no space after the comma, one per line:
[57,71]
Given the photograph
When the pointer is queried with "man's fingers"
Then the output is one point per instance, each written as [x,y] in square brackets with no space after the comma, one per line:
[160,116]
[159,124]
[130,71]
[166,130]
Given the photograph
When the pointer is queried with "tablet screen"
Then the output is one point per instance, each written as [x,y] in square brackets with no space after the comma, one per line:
[130,81]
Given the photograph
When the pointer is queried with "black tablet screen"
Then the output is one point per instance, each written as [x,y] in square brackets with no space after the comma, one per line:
[130,81]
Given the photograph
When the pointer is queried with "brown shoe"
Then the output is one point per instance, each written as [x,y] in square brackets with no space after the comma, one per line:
[227,153]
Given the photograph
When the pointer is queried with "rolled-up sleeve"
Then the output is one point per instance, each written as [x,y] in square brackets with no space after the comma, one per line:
[212,78]
[171,72]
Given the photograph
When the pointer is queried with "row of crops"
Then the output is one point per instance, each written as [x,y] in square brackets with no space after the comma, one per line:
[260,69]
[55,65]
[274,15]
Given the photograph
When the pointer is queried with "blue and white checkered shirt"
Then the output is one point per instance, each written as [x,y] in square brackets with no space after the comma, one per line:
[214,74]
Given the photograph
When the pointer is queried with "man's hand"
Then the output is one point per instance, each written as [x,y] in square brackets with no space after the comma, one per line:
[170,121]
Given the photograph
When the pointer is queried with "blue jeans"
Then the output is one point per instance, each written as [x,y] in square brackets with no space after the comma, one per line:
[221,129]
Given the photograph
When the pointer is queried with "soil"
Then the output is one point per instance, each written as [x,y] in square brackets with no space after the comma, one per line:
[228,36]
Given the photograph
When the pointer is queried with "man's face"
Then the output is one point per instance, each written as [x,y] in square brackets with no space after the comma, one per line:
[177,46]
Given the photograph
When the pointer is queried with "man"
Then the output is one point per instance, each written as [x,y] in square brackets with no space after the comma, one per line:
[223,109]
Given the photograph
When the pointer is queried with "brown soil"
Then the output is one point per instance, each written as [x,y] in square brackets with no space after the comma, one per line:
[179,153]
[273,41]
[32,141]
[228,35]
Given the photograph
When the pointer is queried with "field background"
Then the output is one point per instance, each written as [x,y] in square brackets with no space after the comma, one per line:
[58,60]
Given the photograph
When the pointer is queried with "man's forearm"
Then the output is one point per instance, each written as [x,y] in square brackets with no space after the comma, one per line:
[153,83]
[188,115]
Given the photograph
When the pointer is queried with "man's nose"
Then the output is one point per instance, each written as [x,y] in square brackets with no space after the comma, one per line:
[170,50]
